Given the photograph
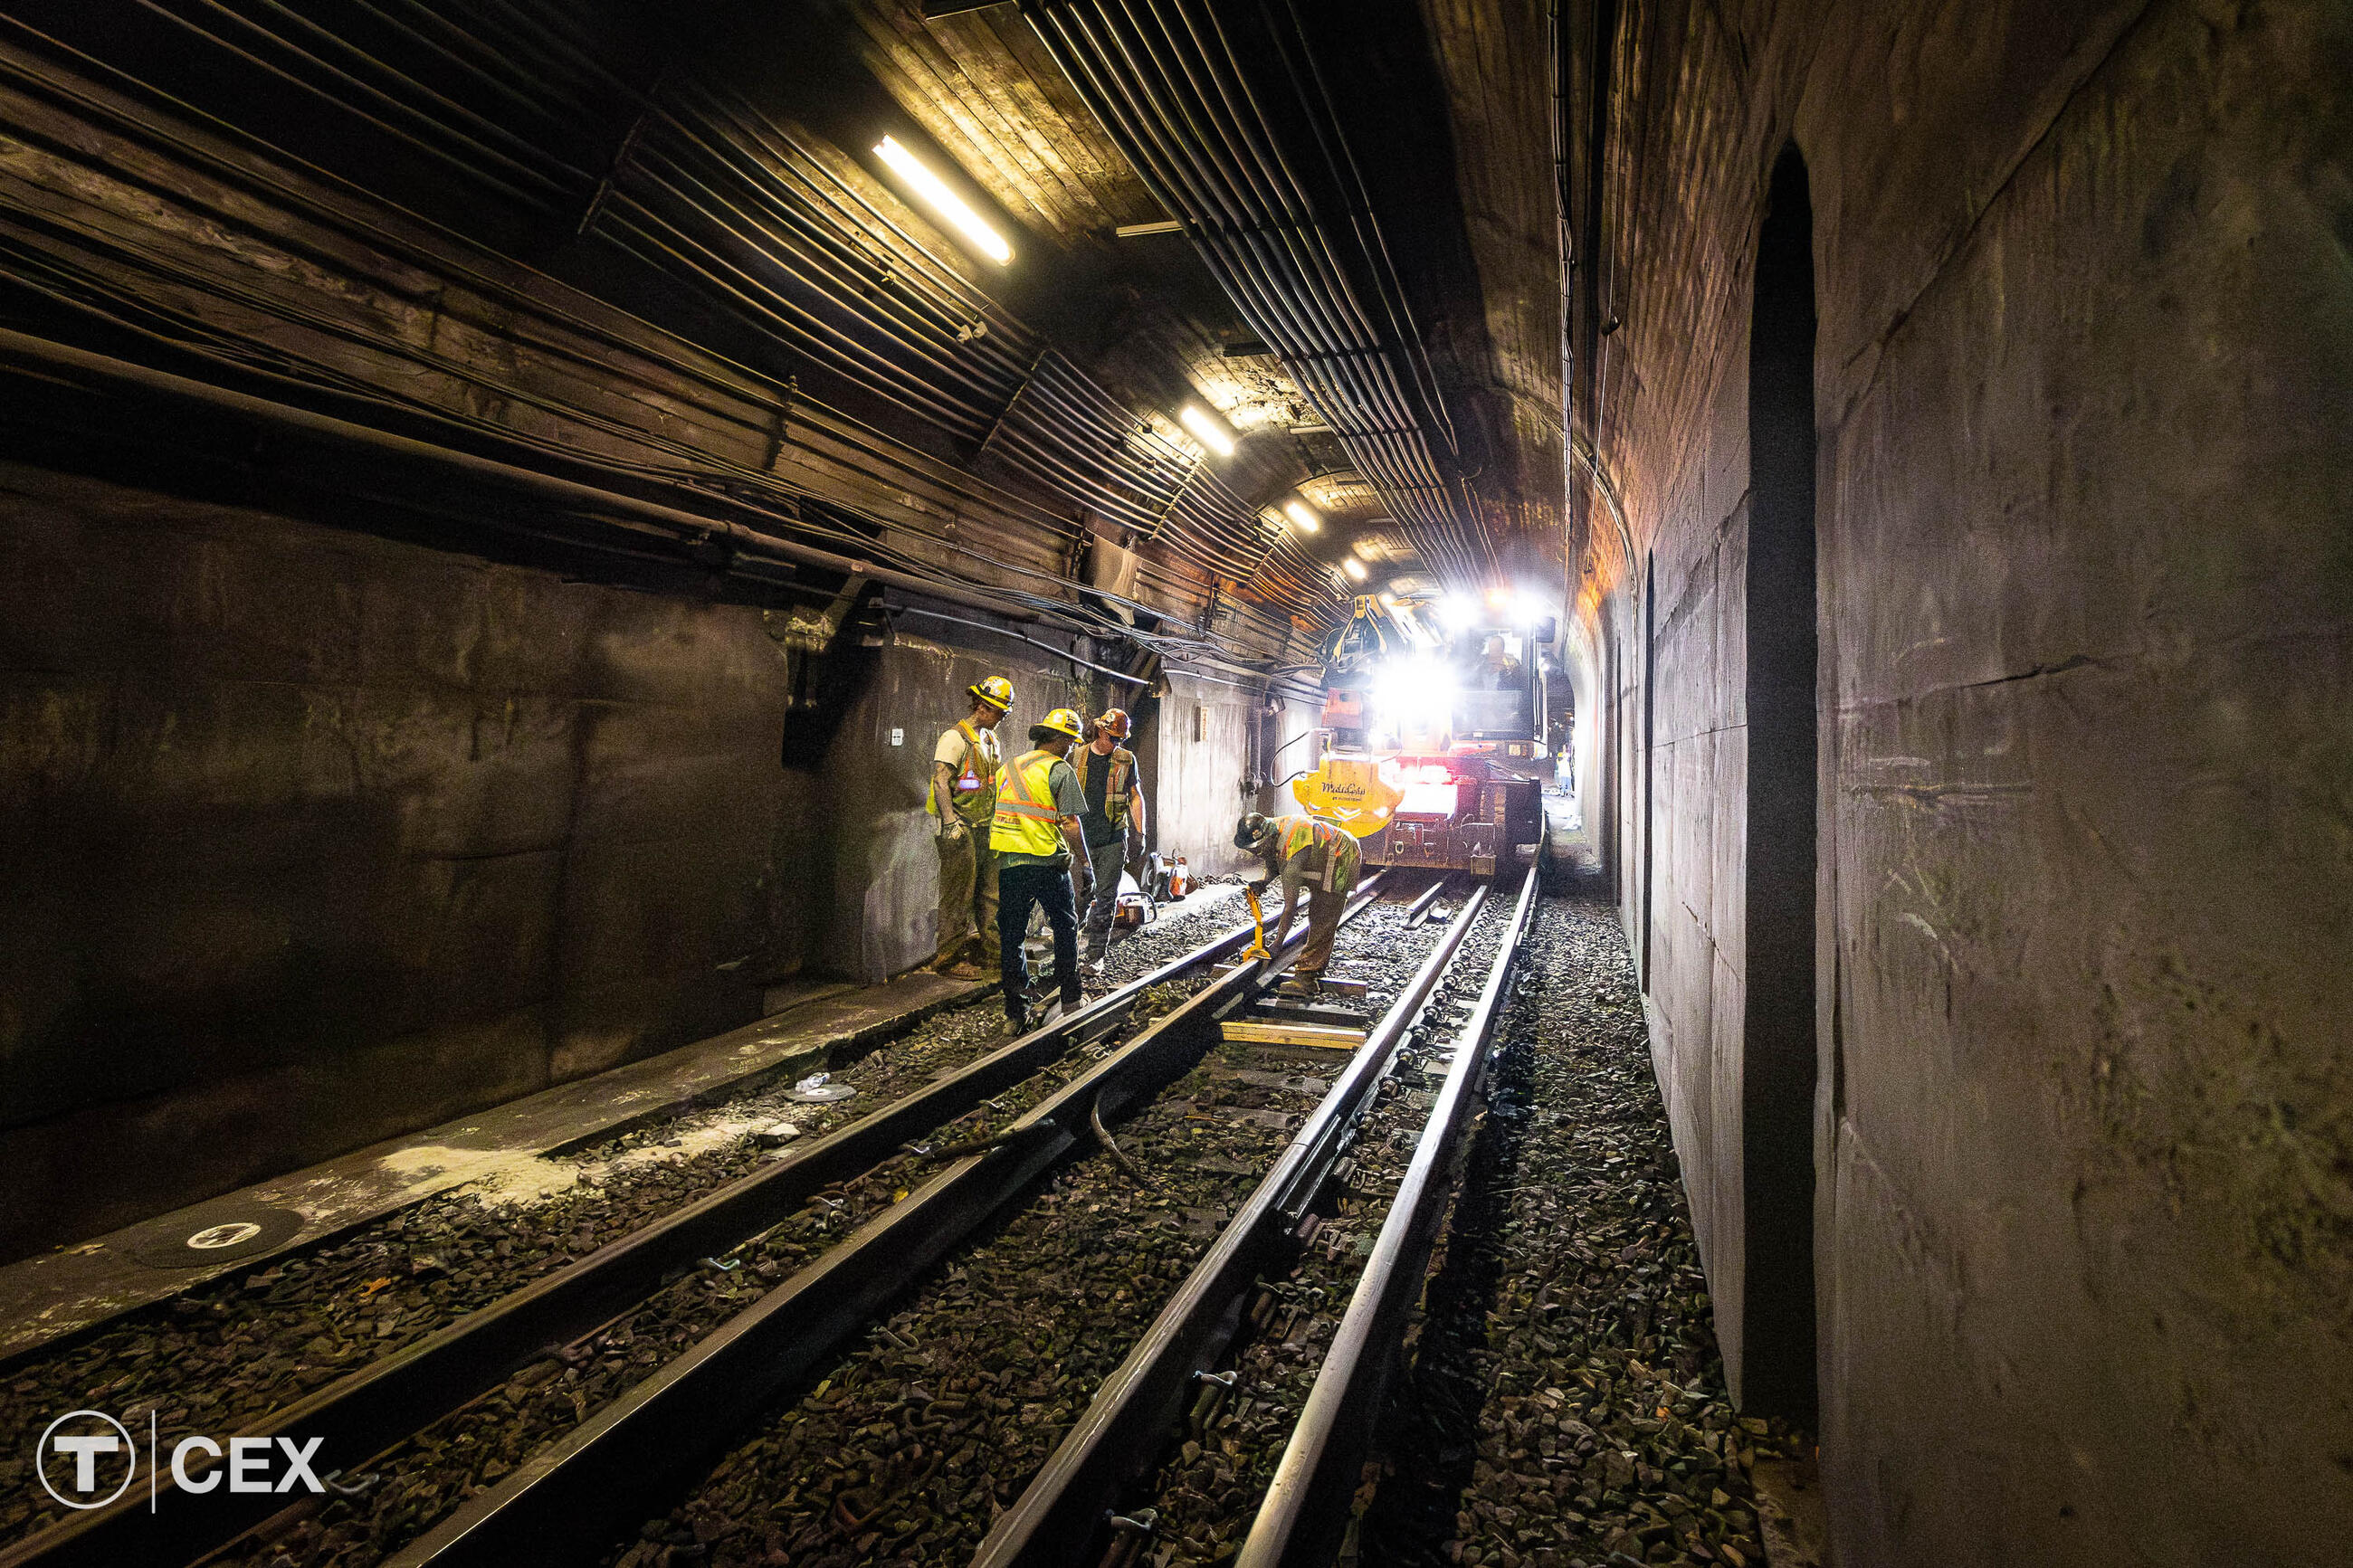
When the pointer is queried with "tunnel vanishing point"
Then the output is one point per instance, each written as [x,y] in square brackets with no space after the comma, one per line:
[499,501]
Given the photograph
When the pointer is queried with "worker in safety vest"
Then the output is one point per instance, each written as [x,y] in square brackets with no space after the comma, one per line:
[1034,833]
[964,798]
[1114,793]
[1308,854]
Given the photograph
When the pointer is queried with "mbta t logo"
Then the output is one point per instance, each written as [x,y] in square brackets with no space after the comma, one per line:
[87,1458]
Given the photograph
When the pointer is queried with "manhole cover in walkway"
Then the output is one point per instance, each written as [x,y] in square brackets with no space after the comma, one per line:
[220,1235]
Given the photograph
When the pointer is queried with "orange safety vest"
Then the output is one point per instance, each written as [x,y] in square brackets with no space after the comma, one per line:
[1027,822]
[972,792]
[1122,769]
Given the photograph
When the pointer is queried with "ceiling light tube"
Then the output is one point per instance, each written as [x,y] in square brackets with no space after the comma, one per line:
[1353,568]
[943,201]
[1207,430]
[1299,513]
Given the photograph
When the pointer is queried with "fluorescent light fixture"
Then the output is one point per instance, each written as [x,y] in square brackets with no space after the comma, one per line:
[1207,429]
[1297,510]
[943,201]
[1353,568]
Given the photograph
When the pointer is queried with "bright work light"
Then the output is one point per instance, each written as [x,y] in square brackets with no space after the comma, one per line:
[1207,430]
[943,201]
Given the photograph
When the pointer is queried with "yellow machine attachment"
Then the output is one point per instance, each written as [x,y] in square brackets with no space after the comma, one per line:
[1351,793]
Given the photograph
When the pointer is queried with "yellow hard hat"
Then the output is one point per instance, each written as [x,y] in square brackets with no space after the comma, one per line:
[996,691]
[1064,722]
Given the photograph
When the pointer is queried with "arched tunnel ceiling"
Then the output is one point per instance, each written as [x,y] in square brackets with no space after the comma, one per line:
[708,169]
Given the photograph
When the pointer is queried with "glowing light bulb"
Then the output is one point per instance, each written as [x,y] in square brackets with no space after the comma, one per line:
[1299,513]
[1207,430]
[943,201]
[1353,568]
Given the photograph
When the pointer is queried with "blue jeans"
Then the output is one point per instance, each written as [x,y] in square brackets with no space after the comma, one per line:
[1017,888]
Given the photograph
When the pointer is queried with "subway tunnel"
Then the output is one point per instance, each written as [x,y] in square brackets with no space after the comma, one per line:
[1771,584]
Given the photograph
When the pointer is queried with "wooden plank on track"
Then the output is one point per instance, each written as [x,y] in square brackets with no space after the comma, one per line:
[1247,1031]
[1292,1011]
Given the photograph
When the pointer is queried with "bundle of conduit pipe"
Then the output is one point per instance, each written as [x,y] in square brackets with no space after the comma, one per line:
[1290,237]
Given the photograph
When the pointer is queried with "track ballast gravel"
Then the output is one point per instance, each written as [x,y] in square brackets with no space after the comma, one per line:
[220,1356]
[1565,1406]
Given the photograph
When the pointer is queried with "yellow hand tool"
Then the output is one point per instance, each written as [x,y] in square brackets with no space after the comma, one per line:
[1257,949]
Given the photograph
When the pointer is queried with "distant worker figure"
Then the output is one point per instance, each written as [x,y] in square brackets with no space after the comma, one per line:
[1038,810]
[1115,794]
[1498,670]
[964,798]
[1310,853]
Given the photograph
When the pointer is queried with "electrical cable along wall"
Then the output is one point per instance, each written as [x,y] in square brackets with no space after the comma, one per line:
[867,393]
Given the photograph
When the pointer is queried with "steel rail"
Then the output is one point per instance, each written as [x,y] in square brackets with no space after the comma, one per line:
[571,1497]
[1414,911]
[1059,1516]
[1306,1507]
[376,1406]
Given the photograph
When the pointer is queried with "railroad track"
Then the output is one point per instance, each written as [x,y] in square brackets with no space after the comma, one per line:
[1009,1104]
[1295,1319]
[911,1432]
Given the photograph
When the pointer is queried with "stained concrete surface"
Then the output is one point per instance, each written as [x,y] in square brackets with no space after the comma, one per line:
[2085,341]
[312,839]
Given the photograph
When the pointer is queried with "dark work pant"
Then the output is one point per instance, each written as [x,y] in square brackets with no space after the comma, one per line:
[1106,861]
[1017,888]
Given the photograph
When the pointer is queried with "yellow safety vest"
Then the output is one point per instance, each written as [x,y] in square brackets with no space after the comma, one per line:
[972,791]
[1341,853]
[1027,822]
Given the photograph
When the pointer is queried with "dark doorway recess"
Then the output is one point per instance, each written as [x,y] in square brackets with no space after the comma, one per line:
[1776,1348]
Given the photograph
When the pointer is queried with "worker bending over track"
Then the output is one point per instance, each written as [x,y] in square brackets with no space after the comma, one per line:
[1114,793]
[1037,825]
[1311,854]
[964,798]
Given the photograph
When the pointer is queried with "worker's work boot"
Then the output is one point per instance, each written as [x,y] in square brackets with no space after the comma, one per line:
[1306,985]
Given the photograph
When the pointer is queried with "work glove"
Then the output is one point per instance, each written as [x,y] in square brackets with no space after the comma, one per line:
[951,828]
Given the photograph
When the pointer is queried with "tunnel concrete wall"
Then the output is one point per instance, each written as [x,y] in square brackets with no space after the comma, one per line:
[309,838]
[885,867]
[1200,759]
[2083,1231]
[312,838]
